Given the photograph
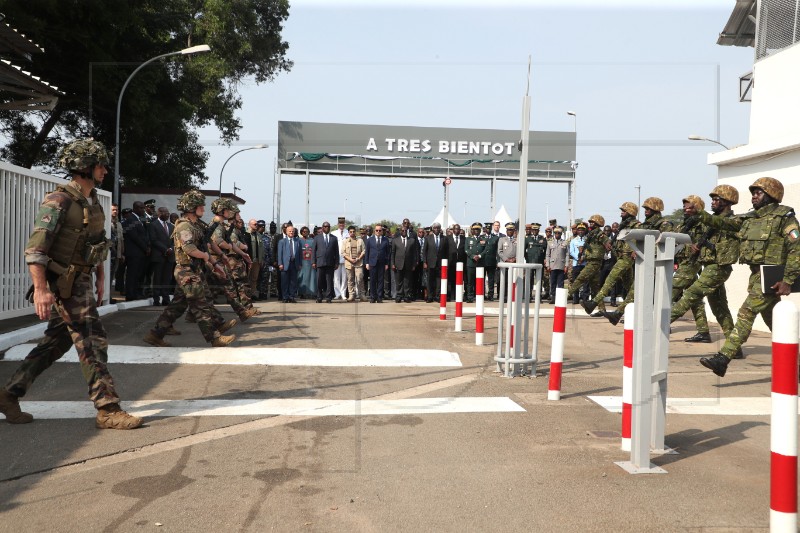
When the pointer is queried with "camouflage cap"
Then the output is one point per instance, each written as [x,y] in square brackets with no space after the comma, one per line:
[191,200]
[221,204]
[83,153]
[695,201]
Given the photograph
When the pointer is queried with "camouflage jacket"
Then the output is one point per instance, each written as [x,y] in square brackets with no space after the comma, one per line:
[695,233]
[722,246]
[188,237]
[594,245]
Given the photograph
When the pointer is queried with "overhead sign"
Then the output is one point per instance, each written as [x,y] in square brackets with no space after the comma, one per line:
[398,150]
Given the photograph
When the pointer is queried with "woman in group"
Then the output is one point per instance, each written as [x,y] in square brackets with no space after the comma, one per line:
[307,280]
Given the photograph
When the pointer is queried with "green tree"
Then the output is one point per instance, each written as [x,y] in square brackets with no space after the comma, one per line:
[92,46]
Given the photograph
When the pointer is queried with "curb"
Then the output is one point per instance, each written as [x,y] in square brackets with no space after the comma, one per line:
[20,336]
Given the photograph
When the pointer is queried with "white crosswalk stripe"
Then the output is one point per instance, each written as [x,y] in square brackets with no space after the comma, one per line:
[741,406]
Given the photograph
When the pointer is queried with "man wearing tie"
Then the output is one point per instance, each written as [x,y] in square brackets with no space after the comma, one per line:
[162,257]
[288,250]
[456,254]
[404,257]
[325,257]
[376,260]
[419,273]
[435,251]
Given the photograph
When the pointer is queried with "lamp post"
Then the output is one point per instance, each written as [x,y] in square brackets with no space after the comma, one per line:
[699,138]
[639,197]
[571,193]
[256,147]
[185,51]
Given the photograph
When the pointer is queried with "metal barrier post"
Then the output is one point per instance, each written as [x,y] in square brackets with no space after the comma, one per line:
[515,325]
[479,273]
[459,295]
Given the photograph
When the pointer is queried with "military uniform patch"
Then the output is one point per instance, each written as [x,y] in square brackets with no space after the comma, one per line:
[793,234]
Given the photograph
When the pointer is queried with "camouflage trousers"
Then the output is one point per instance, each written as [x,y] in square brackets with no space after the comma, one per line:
[756,303]
[227,287]
[190,293]
[74,320]
[710,285]
[241,283]
[684,278]
[622,271]
[589,274]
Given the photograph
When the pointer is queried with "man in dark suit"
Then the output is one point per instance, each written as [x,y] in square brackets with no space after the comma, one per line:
[419,277]
[288,261]
[435,251]
[404,258]
[376,261]
[162,256]
[456,253]
[325,257]
[137,249]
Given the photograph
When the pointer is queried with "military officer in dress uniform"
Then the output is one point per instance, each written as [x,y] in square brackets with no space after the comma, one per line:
[67,245]
[490,258]
[474,247]
[535,250]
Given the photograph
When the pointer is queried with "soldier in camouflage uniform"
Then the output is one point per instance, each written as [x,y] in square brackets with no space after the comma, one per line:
[653,219]
[191,291]
[474,247]
[535,250]
[223,209]
[240,261]
[689,267]
[68,243]
[594,248]
[716,251]
[623,268]
[768,235]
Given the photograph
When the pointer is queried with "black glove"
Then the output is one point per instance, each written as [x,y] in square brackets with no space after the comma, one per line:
[690,222]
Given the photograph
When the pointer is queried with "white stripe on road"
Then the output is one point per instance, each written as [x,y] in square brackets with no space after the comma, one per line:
[544,312]
[247,355]
[742,406]
[279,406]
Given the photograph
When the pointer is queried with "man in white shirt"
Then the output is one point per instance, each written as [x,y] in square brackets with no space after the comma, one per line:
[340,274]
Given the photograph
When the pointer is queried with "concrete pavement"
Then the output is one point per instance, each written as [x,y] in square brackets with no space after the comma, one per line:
[548,466]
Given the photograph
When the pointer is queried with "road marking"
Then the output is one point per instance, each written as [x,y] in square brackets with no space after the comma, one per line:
[544,312]
[56,410]
[248,355]
[742,406]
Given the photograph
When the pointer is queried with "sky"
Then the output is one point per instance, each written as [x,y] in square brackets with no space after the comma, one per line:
[641,77]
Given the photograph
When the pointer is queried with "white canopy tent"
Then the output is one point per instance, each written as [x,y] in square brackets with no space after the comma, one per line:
[440,219]
[502,216]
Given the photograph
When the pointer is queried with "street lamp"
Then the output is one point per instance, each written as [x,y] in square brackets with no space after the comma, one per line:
[185,51]
[699,138]
[574,115]
[256,147]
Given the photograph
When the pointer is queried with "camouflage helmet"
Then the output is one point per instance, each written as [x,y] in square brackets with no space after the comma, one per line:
[771,186]
[83,153]
[653,203]
[631,208]
[191,200]
[695,201]
[597,219]
[726,192]
[219,205]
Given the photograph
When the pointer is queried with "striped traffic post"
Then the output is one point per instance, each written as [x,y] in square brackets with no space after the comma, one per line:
[479,273]
[459,294]
[627,377]
[783,422]
[512,316]
[557,347]
[443,292]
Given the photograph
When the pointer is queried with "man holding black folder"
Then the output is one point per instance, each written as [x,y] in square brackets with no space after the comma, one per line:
[768,235]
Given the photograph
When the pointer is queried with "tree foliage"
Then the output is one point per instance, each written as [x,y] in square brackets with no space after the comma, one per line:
[93,46]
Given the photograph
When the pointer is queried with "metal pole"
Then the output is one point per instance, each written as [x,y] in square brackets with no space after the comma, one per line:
[523,176]
[308,200]
[257,147]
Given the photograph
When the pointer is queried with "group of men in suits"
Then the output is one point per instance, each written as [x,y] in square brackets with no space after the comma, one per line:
[148,251]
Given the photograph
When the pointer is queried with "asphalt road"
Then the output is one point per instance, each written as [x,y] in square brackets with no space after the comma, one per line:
[528,465]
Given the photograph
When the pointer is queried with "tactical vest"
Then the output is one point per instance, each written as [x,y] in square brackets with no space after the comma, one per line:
[184,224]
[657,222]
[81,240]
[724,249]
[762,241]
[593,247]
[696,234]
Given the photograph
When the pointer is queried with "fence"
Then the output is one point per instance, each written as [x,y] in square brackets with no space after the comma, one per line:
[778,26]
[21,192]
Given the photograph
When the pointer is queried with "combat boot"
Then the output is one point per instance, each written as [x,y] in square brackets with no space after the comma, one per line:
[738,355]
[718,364]
[247,314]
[614,317]
[172,331]
[227,325]
[223,340]
[699,337]
[588,306]
[9,406]
[111,416]
[155,340]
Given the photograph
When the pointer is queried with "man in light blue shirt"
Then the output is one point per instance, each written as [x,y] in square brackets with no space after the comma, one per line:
[577,262]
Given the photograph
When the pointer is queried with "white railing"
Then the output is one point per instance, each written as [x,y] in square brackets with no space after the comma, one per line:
[21,192]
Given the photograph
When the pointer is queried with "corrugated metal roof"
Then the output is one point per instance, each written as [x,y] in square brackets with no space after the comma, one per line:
[740,30]
[16,44]
[19,89]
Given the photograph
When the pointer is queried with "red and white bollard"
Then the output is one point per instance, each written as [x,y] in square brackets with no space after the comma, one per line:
[513,315]
[627,378]
[479,273]
[459,294]
[443,292]
[557,348]
[783,422]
